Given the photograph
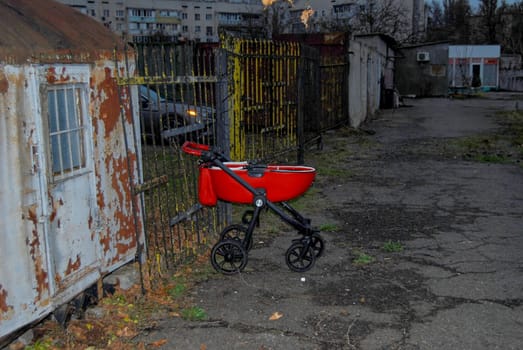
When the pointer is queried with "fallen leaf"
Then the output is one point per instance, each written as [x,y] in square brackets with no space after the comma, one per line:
[126,332]
[159,343]
[203,347]
[78,332]
[276,316]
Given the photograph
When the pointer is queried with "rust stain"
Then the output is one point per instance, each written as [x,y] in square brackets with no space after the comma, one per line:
[53,77]
[4,83]
[109,102]
[4,308]
[32,215]
[121,208]
[105,241]
[120,180]
[55,205]
[73,266]
[122,248]
[36,255]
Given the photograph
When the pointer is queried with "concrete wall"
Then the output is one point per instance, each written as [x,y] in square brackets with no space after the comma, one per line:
[358,83]
[422,78]
[511,79]
[368,67]
[511,73]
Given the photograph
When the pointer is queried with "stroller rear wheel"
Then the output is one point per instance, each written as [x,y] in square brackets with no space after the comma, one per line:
[228,257]
[236,232]
[300,257]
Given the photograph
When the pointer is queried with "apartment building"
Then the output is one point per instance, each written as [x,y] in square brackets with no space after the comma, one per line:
[201,20]
[321,15]
[197,20]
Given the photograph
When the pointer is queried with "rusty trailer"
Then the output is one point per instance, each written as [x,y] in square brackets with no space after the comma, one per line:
[68,160]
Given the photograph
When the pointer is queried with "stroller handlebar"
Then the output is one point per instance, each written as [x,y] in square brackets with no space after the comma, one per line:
[194,148]
[206,152]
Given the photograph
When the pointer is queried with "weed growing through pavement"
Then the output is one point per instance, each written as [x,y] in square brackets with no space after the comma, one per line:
[362,258]
[177,290]
[194,313]
[502,147]
[329,228]
[44,344]
[392,247]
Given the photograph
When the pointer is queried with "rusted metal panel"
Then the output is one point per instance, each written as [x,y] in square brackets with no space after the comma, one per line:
[115,167]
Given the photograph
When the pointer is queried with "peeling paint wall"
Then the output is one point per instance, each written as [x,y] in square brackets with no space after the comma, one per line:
[112,168]
[59,237]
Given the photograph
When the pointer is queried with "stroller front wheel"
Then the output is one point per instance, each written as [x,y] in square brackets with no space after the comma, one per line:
[300,257]
[228,257]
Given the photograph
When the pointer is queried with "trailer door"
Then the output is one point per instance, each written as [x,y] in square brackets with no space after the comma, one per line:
[71,218]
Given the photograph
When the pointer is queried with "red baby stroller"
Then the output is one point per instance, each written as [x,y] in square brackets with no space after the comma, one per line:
[264,186]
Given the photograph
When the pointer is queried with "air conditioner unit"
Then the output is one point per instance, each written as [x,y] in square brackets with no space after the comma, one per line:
[422,57]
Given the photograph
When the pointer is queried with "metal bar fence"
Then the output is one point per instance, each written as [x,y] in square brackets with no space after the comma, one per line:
[172,80]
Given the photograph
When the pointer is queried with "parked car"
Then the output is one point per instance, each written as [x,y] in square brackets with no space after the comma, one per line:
[166,120]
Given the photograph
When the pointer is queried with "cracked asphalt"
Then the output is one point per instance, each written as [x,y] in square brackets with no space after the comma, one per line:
[456,283]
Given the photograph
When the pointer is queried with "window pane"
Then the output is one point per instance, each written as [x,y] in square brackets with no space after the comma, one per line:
[76,149]
[53,122]
[56,157]
[66,130]
[490,74]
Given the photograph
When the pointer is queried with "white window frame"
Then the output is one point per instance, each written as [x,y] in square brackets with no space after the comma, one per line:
[74,139]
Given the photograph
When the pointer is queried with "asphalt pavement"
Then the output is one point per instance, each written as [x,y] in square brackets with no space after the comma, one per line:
[424,245]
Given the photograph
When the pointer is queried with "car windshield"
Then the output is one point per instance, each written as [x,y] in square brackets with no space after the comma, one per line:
[150,94]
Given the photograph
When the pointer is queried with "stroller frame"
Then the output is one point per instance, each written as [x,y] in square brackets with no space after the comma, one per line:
[230,254]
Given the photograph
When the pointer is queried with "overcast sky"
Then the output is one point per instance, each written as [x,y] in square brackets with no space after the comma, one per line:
[475,3]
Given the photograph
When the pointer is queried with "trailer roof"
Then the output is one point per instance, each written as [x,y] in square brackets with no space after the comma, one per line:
[31,28]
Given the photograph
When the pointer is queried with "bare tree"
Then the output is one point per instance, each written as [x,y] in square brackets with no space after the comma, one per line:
[344,19]
[384,16]
[457,19]
[511,37]
[436,24]
[489,14]
[275,12]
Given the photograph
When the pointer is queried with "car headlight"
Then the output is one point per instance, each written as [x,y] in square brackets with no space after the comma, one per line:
[191,113]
